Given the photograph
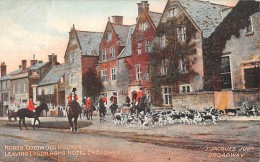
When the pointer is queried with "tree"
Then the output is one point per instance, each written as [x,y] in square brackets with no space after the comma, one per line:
[91,83]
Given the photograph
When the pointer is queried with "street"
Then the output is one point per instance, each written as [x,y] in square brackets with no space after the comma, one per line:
[229,140]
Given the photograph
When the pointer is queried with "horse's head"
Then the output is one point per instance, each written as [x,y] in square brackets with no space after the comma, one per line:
[45,107]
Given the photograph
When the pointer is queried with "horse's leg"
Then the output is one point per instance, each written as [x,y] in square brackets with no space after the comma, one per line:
[20,123]
[76,123]
[24,124]
[71,124]
[87,114]
[39,123]
[34,123]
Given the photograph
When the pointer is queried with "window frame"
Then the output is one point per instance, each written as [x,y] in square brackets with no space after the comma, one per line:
[139,47]
[112,52]
[164,67]
[138,73]
[147,46]
[108,36]
[226,73]
[73,78]
[172,12]
[104,54]
[185,88]
[163,40]
[166,93]
[113,74]
[103,75]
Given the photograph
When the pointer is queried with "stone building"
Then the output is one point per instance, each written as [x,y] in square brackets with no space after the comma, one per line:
[232,57]
[81,55]
[177,54]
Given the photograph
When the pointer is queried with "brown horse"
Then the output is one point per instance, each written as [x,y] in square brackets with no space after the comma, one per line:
[74,111]
[24,112]
[88,111]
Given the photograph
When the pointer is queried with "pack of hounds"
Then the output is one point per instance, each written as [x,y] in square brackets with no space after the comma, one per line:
[160,118]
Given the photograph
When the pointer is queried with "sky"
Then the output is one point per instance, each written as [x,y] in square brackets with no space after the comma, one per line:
[41,27]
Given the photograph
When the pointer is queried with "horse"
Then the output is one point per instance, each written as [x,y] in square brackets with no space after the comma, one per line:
[11,114]
[143,105]
[113,109]
[102,111]
[88,111]
[24,112]
[74,110]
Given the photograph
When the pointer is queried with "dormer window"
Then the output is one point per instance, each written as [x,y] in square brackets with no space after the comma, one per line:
[108,37]
[143,26]
[172,12]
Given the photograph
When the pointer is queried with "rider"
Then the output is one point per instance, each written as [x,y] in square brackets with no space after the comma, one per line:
[72,96]
[113,99]
[31,105]
[88,103]
[139,95]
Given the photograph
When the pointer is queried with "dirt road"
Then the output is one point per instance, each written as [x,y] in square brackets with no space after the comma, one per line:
[227,141]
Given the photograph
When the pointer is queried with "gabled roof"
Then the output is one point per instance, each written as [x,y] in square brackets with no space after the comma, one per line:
[8,76]
[127,51]
[37,65]
[155,17]
[89,42]
[122,32]
[207,16]
[54,75]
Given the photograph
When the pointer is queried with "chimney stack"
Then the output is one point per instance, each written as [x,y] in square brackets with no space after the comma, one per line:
[24,65]
[3,69]
[52,59]
[33,61]
[143,4]
[117,20]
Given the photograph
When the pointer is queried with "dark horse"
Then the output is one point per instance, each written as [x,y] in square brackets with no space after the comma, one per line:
[143,105]
[102,111]
[24,112]
[11,114]
[74,111]
[113,108]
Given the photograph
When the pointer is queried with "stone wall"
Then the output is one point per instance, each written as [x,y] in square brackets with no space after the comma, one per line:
[193,100]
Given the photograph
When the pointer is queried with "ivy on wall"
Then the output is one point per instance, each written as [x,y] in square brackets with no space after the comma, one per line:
[92,85]
[174,51]
[213,46]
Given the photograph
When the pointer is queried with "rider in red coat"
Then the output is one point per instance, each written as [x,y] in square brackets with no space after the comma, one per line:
[31,105]
[88,103]
[139,94]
